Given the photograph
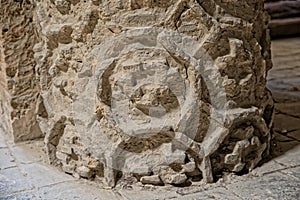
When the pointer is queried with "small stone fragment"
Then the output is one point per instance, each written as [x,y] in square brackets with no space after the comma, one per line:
[154,180]
[189,167]
[84,172]
[69,168]
[175,179]
[169,176]
[66,149]
[62,156]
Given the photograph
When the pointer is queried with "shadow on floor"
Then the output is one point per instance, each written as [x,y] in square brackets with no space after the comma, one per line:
[286,131]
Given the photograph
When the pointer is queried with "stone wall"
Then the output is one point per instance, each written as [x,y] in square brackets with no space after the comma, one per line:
[19,76]
[166,91]
[5,122]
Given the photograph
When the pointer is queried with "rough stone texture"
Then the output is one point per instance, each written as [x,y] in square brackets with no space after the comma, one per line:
[154,180]
[141,87]
[18,73]
[5,108]
[35,180]
[275,179]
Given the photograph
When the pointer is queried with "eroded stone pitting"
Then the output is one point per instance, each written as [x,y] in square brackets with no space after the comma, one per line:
[142,133]
[165,91]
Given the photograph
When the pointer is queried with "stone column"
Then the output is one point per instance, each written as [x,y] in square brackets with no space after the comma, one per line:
[163,90]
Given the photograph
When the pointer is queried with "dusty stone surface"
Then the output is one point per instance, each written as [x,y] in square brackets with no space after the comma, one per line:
[30,178]
[36,180]
[139,87]
[154,180]
[19,77]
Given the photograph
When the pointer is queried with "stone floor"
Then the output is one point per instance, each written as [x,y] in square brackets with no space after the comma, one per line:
[24,174]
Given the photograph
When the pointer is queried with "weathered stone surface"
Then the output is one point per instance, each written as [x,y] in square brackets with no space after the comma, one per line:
[169,176]
[154,179]
[41,175]
[75,190]
[13,180]
[6,159]
[33,152]
[84,172]
[172,88]
[17,184]
[18,72]
[189,167]
[272,186]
